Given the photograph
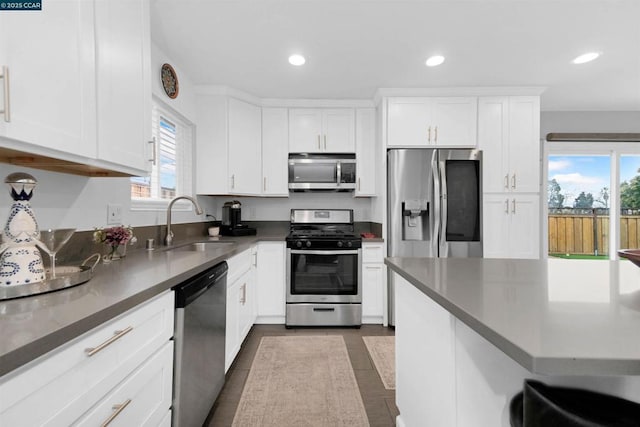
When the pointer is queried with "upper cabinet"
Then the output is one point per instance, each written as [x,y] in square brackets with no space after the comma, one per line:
[365,152]
[275,146]
[509,137]
[315,130]
[77,95]
[229,146]
[123,66]
[48,84]
[432,121]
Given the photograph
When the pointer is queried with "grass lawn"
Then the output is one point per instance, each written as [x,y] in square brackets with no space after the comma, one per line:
[579,256]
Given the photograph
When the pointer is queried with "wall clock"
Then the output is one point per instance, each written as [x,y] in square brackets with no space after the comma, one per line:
[169,81]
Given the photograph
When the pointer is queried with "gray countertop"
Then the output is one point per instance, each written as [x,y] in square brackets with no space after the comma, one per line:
[555,317]
[32,326]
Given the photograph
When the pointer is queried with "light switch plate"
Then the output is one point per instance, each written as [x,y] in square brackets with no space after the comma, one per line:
[114,214]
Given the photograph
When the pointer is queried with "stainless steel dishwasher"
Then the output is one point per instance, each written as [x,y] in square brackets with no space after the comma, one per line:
[199,345]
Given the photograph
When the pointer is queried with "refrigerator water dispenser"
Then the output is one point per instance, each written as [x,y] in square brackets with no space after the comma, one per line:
[415,223]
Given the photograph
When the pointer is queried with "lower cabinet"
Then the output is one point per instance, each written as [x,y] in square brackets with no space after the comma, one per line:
[271,282]
[121,370]
[241,303]
[373,279]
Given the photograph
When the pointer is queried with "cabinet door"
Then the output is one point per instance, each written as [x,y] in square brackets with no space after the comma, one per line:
[275,150]
[524,144]
[338,130]
[496,222]
[454,121]
[271,282]
[372,281]
[305,130]
[493,130]
[409,122]
[247,304]
[524,233]
[365,152]
[245,148]
[50,58]
[232,331]
[123,82]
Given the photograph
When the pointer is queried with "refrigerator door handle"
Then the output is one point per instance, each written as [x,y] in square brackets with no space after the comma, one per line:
[435,238]
[443,249]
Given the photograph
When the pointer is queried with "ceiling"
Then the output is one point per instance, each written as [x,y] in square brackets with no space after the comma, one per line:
[354,47]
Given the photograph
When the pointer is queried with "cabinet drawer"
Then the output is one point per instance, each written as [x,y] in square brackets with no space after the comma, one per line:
[143,399]
[65,382]
[238,264]
[372,252]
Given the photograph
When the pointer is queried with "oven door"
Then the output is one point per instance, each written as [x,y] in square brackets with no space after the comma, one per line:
[324,276]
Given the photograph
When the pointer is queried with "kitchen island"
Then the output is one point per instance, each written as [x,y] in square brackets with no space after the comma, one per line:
[469,331]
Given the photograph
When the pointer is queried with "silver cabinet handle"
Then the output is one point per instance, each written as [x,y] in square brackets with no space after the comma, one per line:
[117,335]
[153,158]
[429,135]
[7,105]
[117,409]
[319,145]
[506,181]
[264,184]
[243,298]
[325,141]
[233,181]
[513,181]
[435,139]
[506,206]
[513,206]
[358,183]
[255,259]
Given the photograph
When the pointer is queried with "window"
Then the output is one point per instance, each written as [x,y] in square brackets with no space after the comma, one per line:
[171,173]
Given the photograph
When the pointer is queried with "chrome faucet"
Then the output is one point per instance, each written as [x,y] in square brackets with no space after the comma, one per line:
[169,239]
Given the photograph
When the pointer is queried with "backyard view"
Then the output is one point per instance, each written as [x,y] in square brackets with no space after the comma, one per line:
[579,200]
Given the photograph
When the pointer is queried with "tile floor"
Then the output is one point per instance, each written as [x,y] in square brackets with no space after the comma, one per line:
[378,401]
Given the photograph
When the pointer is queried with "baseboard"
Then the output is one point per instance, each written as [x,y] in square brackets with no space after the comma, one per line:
[372,320]
[269,320]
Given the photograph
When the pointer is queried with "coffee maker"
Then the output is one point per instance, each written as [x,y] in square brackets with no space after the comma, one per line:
[232,221]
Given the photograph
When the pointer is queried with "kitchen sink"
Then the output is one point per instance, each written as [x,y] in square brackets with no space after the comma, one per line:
[199,246]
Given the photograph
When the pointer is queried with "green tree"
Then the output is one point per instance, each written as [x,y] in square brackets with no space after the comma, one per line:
[556,199]
[583,200]
[630,193]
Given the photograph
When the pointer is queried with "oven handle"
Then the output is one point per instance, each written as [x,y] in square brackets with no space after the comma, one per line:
[346,252]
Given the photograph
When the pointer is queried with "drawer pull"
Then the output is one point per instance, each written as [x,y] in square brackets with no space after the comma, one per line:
[116,411]
[118,334]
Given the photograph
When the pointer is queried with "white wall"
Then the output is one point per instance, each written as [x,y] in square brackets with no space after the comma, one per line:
[589,121]
[62,200]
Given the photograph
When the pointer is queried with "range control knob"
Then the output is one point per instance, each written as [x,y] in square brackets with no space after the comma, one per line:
[308,244]
[339,244]
[299,244]
[349,244]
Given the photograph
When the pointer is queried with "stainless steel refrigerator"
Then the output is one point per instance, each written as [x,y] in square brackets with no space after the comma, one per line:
[434,205]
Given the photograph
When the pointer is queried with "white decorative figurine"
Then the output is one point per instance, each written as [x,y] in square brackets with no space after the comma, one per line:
[21,262]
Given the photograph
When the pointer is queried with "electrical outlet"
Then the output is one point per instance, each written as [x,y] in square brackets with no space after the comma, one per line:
[114,214]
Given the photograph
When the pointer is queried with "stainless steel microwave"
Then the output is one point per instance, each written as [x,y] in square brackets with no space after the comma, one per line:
[322,172]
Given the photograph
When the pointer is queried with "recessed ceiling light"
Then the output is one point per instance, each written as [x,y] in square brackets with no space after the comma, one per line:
[586,57]
[297,60]
[435,60]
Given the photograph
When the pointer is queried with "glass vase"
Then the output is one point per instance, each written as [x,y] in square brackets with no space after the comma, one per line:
[114,253]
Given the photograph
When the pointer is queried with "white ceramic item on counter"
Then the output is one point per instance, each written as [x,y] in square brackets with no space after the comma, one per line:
[21,262]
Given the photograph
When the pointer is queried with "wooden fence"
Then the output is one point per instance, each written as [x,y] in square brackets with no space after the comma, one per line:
[589,234]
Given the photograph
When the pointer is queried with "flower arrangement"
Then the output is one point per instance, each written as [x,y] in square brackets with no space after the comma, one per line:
[116,239]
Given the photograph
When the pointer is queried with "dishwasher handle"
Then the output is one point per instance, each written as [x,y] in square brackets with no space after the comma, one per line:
[187,292]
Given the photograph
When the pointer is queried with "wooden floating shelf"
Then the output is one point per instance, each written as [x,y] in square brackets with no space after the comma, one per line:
[594,137]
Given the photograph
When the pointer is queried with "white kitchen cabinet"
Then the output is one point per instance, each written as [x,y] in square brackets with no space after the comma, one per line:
[275,152]
[67,382]
[511,226]
[49,55]
[432,121]
[366,166]
[373,281]
[271,282]
[241,303]
[228,146]
[509,137]
[123,67]
[314,130]
[244,148]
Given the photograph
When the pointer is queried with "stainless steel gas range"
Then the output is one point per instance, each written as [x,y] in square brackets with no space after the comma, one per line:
[324,284]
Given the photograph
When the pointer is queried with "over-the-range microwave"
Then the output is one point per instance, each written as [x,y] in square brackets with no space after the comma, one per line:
[322,172]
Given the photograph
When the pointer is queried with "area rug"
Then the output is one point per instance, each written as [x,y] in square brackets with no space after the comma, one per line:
[301,381]
[383,353]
